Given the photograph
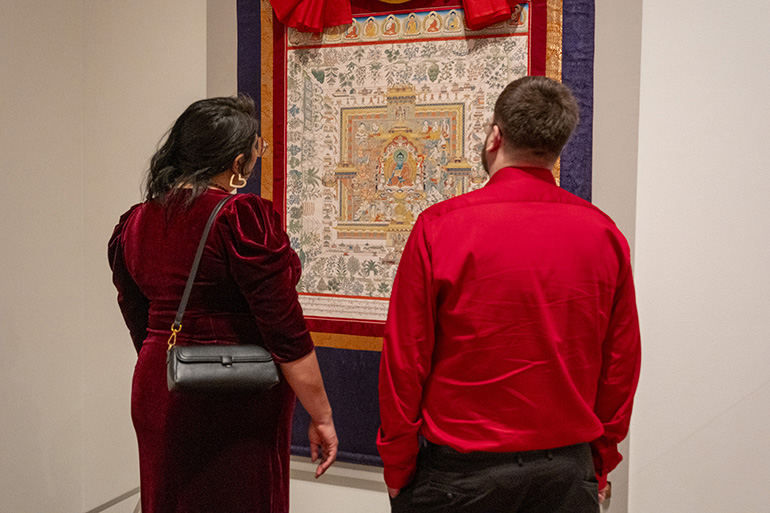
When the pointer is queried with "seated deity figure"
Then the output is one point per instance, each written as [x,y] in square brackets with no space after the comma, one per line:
[370,29]
[426,128]
[412,27]
[362,134]
[401,174]
[390,27]
[432,23]
[516,16]
[453,22]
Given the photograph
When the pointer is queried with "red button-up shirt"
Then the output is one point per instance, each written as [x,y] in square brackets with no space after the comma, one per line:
[512,327]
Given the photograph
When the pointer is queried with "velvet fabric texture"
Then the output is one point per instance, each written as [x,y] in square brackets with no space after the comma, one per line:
[312,15]
[316,15]
[209,452]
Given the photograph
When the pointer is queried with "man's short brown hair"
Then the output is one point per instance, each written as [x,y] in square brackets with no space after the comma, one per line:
[536,115]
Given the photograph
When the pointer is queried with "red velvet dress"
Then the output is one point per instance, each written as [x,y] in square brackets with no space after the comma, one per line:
[210,453]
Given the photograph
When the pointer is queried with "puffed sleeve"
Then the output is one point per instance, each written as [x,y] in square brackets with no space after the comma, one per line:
[266,268]
[134,305]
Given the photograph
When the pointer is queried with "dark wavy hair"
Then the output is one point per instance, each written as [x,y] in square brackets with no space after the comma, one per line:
[204,141]
[537,115]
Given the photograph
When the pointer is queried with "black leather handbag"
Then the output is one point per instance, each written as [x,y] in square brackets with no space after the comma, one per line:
[215,367]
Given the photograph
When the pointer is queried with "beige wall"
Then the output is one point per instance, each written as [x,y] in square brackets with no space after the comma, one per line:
[222,48]
[616,130]
[87,89]
[41,256]
[144,62]
[700,437]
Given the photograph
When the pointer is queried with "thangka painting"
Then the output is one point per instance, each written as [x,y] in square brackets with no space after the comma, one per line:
[371,124]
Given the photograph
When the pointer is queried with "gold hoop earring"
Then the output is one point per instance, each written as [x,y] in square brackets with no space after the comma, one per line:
[241,181]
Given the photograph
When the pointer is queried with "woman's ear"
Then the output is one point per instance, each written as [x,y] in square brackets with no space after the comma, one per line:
[237,166]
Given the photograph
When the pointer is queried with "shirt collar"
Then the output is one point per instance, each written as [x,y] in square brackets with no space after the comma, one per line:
[516,173]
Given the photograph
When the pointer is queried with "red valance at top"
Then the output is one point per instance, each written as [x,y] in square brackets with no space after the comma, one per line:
[312,15]
[316,15]
[482,13]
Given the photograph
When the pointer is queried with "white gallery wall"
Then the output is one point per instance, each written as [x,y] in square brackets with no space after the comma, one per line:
[41,256]
[617,54]
[143,63]
[87,87]
[700,436]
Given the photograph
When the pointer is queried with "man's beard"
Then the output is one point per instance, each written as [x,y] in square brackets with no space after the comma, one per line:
[484,162]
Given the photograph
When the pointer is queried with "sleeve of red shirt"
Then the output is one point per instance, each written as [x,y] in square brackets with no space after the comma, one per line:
[621,357]
[406,359]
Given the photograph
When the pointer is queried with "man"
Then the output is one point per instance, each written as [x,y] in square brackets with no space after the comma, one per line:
[512,340]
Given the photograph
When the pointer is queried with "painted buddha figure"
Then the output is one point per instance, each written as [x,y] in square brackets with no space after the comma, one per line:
[412,28]
[400,171]
[390,28]
[370,29]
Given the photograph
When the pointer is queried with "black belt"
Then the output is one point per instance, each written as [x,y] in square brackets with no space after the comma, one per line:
[442,454]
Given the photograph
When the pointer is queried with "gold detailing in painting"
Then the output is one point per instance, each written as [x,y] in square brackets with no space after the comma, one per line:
[553,55]
[382,176]
[266,95]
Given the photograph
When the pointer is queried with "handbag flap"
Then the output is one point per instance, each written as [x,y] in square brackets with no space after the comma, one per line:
[211,353]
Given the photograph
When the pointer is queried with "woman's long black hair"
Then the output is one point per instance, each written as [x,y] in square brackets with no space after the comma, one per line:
[205,140]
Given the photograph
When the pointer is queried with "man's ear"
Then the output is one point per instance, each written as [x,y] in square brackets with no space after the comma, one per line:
[495,139]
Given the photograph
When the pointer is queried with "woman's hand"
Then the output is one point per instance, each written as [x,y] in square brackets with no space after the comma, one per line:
[304,377]
[323,443]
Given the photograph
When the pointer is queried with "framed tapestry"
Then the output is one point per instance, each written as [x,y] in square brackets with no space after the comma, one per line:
[371,123]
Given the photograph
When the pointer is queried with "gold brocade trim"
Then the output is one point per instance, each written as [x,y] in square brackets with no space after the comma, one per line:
[395,1]
[266,120]
[553,48]
[553,54]
[346,341]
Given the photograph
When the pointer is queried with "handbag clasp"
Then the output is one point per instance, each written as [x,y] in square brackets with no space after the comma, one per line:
[172,339]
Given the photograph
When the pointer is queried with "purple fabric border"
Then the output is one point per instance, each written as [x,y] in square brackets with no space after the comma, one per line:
[350,377]
[578,74]
[250,68]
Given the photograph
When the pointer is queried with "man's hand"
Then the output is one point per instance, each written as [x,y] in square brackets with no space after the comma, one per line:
[323,442]
[605,493]
[393,492]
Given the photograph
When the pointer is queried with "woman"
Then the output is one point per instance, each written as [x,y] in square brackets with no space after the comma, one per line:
[215,452]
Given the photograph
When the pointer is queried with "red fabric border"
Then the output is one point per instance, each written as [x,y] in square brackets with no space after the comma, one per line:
[538,39]
[346,326]
[538,36]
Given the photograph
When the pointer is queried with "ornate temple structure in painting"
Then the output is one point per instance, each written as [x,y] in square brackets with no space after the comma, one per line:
[396,159]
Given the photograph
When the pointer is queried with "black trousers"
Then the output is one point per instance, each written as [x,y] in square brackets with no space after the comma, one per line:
[559,480]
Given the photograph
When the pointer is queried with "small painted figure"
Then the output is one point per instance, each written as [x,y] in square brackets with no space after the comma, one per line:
[412,28]
[432,23]
[370,29]
[390,28]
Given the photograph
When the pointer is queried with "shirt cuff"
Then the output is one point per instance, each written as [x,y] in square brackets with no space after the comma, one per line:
[602,482]
[398,477]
